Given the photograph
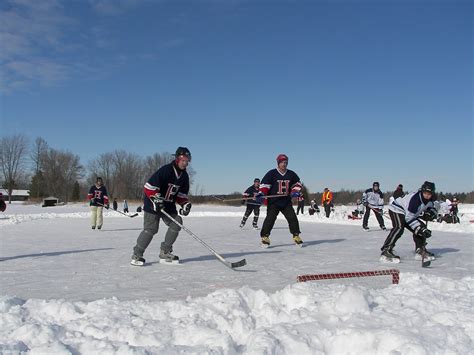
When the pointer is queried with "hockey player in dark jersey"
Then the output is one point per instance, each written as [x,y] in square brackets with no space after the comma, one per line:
[408,212]
[284,182]
[252,204]
[98,200]
[168,186]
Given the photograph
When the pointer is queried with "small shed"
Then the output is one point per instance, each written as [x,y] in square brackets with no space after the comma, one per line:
[50,201]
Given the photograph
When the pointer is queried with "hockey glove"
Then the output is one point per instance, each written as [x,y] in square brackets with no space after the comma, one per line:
[107,206]
[295,194]
[423,232]
[430,214]
[185,209]
[259,197]
[157,202]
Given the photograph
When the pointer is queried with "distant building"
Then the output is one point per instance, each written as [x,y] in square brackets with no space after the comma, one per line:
[17,195]
[50,201]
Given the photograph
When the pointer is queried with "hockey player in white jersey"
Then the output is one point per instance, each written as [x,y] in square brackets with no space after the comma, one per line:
[408,212]
[373,201]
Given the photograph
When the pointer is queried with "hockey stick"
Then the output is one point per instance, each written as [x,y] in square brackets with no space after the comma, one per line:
[423,253]
[246,198]
[128,215]
[219,257]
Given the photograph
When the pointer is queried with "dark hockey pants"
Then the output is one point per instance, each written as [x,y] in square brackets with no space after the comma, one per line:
[272,213]
[398,226]
[327,208]
[300,208]
[378,215]
[256,212]
[151,224]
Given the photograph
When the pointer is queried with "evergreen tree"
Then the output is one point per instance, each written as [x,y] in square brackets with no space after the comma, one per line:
[38,186]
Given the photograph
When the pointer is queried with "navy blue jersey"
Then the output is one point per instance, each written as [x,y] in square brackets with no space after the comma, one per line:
[171,184]
[98,195]
[276,183]
[251,192]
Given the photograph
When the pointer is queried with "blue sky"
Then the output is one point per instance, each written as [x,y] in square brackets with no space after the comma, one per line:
[352,91]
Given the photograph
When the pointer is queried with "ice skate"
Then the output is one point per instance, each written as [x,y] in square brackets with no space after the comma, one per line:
[428,255]
[168,258]
[137,260]
[388,256]
[298,241]
[265,241]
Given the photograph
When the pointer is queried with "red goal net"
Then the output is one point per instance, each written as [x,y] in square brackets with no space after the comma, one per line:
[393,273]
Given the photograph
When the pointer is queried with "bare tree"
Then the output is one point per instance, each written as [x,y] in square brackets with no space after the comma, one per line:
[13,151]
[61,170]
[103,166]
[40,147]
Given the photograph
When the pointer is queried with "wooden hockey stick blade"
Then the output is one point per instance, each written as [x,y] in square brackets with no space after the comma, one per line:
[425,263]
[133,215]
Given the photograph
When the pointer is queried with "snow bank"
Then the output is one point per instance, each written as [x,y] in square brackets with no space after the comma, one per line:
[421,315]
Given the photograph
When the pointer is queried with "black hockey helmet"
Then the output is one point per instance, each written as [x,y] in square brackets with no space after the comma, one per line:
[182,151]
[428,187]
[376,183]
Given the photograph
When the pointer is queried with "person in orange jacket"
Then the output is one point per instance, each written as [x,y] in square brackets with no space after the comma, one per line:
[326,201]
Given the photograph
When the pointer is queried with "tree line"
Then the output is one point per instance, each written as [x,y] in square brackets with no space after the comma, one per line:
[46,171]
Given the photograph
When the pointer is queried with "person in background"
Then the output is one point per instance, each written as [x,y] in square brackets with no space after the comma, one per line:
[125,206]
[252,204]
[326,201]
[313,207]
[373,201]
[98,200]
[300,200]
[3,205]
[115,204]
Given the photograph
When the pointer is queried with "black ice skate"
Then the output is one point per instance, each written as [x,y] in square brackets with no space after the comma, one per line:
[137,260]
[388,256]
[168,258]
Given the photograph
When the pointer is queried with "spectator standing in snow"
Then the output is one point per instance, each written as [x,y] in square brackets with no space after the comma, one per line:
[326,201]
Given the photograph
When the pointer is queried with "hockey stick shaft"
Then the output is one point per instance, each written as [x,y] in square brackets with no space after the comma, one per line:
[246,198]
[217,255]
[131,216]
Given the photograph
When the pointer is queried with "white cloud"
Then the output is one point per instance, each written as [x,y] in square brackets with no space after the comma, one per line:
[113,7]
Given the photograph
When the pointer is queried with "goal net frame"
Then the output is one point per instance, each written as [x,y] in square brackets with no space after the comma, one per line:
[394,273]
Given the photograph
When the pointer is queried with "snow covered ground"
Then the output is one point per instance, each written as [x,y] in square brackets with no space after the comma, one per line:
[66,289]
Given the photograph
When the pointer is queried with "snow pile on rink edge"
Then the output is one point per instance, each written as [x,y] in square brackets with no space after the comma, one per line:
[421,315]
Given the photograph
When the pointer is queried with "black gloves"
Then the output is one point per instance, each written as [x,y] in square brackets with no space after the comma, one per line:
[185,209]
[157,202]
[430,214]
[423,232]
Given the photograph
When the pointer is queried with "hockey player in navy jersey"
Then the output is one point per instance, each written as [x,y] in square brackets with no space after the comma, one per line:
[252,204]
[98,200]
[372,199]
[284,182]
[409,212]
[167,187]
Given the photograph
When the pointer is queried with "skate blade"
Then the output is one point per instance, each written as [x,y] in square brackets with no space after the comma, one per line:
[427,258]
[386,260]
[137,263]
[169,262]
[264,246]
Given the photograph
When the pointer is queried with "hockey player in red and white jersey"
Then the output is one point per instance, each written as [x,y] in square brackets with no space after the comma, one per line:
[284,182]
